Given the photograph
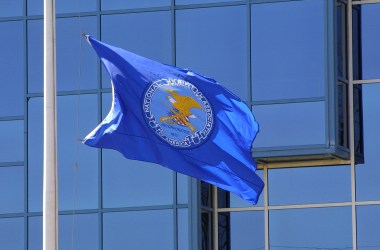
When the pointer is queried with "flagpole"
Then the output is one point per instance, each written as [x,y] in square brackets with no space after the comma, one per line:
[50,197]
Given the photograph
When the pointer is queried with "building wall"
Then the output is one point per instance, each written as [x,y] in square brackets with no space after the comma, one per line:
[270,53]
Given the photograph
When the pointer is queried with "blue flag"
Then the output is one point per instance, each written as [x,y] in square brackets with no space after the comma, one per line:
[178,119]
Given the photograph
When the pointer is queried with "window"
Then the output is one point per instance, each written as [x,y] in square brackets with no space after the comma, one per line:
[213,42]
[138,230]
[70,150]
[74,55]
[12,69]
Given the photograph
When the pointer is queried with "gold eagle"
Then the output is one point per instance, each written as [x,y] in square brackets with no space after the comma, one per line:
[181,109]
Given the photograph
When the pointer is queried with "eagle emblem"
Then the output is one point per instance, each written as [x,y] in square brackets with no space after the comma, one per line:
[180,111]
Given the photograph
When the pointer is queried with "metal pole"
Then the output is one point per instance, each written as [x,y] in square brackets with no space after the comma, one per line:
[351,121]
[50,203]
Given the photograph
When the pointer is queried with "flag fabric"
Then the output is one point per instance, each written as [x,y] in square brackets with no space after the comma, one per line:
[178,119]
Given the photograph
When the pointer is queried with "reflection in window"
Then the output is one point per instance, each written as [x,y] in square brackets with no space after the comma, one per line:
[185,2]
[370,26]
[80,232]
[313,228]
[357,51]
[288,51]
[341,40]
[35,56]
[303,185]
[182,188]
[11,8]
[206,194]
[207,232]
[70,150]
[150,229]
[343,115]
[12,189]
[151,27]
[35,153]
[12,233]
[213,42]
[368,227]
[129,183]
[290,124]
[35,7]
[247,230]
[183,229]
[74,55]
[12,141]
[12,68]
[358,122]
[224,227]
[132,4]
[368,174]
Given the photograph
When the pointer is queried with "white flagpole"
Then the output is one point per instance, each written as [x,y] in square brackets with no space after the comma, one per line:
[50,190]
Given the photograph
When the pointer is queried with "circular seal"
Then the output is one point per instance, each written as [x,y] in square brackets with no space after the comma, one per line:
[178,113]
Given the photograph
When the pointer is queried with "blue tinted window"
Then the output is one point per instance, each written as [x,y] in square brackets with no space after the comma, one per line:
[134,183]
[368,174]
[288,50]
[341,40]
[213,42]
[70,150]
[80,232]
[152,27]
[356,42]
[35,56]
[35,233]
[76,60]
[183,229]
[35,7]
[12,68]
[185,2]
[35,153]
[12,233]
[132,4]
[290,124]
[12,186]
[12,141]
[368,227]
[247,230]
[313,228]
[11,8]
[303,185]
[182,188]
[236,201]
[370,40]
[138,230]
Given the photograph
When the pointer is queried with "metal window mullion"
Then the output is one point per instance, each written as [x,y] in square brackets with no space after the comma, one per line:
[25,44]
[266,209]
[215,217]
[351,122]
[249,55]
[100,156]
[369,81]
[365,2]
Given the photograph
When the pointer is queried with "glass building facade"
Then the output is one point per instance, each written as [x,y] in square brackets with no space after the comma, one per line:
[310,70]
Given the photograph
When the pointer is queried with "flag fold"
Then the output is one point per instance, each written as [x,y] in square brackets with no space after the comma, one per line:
[178,119]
